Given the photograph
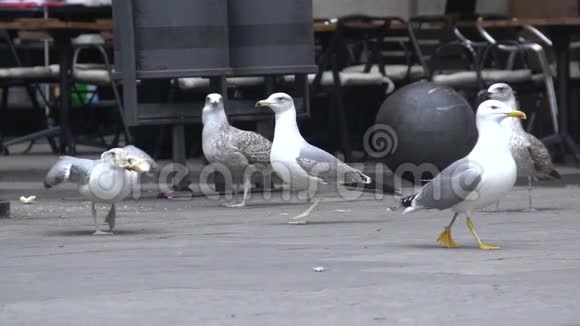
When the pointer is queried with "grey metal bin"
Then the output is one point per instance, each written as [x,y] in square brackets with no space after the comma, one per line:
[167,39]
[174,37]
[158,41]
[271,37]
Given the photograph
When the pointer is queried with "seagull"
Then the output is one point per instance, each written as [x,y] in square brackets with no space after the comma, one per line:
[531,156]
[300,164]
[108,180]
[482,177]
[241,152]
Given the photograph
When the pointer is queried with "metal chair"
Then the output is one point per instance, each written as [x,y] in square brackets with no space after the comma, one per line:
[99,74]
[18,75]
[349,59]
[515,45]
[446,58]
[89,73]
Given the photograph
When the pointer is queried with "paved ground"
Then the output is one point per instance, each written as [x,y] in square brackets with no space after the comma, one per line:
[191,262]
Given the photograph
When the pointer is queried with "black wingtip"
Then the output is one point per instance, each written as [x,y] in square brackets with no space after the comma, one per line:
[408,201]
[46,185]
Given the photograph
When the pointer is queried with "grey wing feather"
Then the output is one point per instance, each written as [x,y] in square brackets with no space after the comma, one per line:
[232,156]
[138,153]
[320,164]
[541,157]
[70,169]
[450,187]
[255,147]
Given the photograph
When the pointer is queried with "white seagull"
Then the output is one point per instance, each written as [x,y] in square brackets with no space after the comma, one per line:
[531,155]
[241,152]
[108,180]
[482,177]
[299,164]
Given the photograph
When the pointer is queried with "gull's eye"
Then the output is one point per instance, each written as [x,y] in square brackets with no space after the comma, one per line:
[281,99]
[130,160]
[207,99]
[494,107]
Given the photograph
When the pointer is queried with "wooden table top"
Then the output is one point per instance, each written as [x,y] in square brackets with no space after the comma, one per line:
[515,22]
[39,24]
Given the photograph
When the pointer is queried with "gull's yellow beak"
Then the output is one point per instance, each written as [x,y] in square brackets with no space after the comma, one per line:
[262,104]
[517,114]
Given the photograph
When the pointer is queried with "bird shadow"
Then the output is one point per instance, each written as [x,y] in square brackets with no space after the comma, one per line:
[78,233]
[329,222]
[519,210]
[272,204]
[425,246]
[348,222]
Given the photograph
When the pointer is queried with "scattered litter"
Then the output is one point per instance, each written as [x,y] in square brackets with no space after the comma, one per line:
[284,214]
[171,196]
[319,269]
[27,200]
[342,210]
[394,207]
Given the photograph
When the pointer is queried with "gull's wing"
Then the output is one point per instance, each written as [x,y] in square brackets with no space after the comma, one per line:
[232,156]
[320,164]
[450,187]
[133,151]
[70,169]
[255,147]
[542,160]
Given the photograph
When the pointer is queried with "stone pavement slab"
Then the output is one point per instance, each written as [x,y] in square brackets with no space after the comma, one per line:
[192,262]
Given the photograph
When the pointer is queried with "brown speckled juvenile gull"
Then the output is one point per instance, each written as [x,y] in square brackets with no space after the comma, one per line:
[241,152]
[531,156]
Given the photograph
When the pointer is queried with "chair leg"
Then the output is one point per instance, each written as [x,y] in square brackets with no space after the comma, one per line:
[549,84]
[341,117]
[32,91]
[3,106]
[121,110]
[47,123]
[52,144]
[553,104]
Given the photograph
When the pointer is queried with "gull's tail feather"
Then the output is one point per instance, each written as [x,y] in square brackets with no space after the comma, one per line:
[365,178]
[550,175]
[555,174]
[407,202]
[353,176]
[46,184]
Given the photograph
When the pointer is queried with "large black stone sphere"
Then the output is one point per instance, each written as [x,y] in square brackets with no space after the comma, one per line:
[423,123]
